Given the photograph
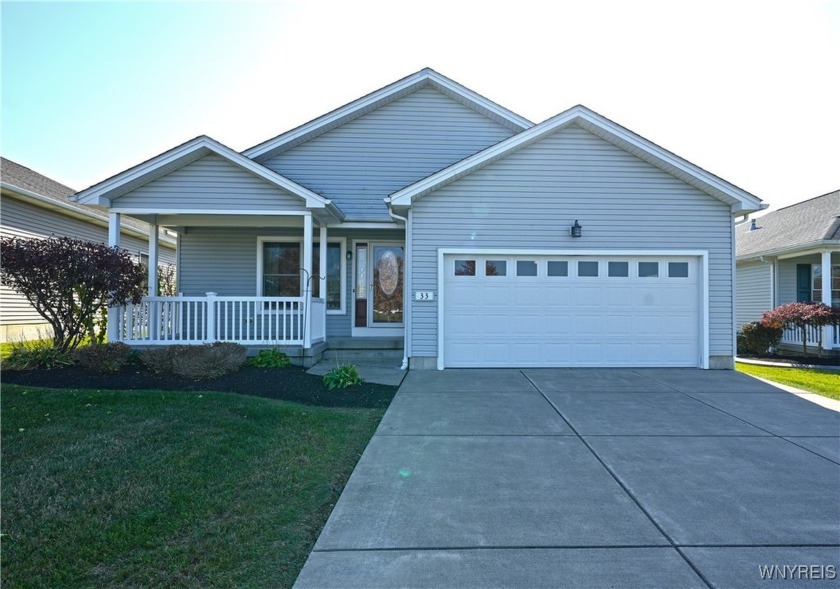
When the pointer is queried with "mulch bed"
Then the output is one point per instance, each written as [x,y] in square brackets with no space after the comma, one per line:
[288,384]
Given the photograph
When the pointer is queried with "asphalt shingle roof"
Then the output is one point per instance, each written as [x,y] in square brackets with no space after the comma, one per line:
[810,221]
[16,175]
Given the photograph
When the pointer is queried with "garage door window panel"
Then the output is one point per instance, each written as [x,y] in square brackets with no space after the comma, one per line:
[587,269]
[618,269]
[677,269]
[495,268]
[648,269]
[558,268]
[526,268]
[464,267]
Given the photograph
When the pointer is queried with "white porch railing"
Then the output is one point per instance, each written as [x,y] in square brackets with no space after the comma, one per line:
[242,320]
[831,336]
[319,320]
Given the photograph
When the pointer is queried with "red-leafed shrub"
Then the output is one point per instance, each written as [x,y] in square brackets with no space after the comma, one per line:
[801,316]
[71,283]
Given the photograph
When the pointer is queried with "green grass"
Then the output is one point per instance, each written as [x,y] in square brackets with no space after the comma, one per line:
[149,488]
[822,382]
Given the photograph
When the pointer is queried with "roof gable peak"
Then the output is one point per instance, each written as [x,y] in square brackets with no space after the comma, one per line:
[426,77]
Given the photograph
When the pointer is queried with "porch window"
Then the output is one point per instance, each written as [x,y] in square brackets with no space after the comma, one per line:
[282,275]
[832,282]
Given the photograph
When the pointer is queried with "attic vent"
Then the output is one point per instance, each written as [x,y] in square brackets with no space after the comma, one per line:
[753,226]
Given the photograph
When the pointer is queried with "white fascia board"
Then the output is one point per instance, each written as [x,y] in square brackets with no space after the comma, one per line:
[200,146]
[577,114]
[374,99]
[804,249]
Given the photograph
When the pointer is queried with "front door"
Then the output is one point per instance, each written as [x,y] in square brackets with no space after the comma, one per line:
[378,286]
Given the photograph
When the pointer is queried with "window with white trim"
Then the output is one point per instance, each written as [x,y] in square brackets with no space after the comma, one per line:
[281,272]
[817,284]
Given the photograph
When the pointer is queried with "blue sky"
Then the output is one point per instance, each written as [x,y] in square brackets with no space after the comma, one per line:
[747,90]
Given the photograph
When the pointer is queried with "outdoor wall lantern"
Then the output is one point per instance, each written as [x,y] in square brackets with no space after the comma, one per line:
[576,229]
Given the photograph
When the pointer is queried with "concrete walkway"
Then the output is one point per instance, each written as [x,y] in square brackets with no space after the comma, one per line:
[589,478]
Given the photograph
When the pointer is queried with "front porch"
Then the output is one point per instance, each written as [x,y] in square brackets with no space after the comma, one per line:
[819,340]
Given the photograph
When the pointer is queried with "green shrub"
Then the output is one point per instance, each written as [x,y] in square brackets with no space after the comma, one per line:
[36,354]
[758,337]
[195,362]
[103,358]
[342,377]
[160,360]
[272,358]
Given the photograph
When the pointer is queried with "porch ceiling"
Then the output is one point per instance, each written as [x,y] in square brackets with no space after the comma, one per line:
[262,219]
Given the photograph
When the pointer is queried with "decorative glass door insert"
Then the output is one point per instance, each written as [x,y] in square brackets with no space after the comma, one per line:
[387,288]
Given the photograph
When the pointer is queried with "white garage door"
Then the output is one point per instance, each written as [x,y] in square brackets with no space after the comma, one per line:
[571,311]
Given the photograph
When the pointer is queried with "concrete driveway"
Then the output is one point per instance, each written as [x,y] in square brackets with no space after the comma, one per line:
[589,478]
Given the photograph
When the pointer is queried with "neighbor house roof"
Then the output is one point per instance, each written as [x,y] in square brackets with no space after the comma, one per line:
[426,77]
[18,180]
[739,200]
[801,226]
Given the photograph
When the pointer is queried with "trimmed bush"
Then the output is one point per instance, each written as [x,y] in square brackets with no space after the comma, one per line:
[160,360]
[36,354]
[103,358]
[757,338]
[195,362]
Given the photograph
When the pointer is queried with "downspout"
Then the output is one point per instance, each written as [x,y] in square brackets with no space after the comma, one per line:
[406,286]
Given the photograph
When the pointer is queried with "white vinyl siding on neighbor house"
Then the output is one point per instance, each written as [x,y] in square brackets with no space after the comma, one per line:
[754,289]
[530,198]
[22,219]
[365,160]
[224,261]
[210,183]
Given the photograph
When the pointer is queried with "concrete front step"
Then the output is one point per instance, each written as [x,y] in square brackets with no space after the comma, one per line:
[367,357]
[365,343]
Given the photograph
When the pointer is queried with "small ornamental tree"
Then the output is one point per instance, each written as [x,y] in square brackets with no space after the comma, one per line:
[802,316]
[70,282]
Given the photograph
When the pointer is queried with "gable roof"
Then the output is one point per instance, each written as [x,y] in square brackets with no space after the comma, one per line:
[36,188]
[803,225]
[739,200]
[102,193]
[348,112]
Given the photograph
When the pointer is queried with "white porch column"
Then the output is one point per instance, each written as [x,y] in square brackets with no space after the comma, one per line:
[828,330]
[308,236]
[153,258]
[112,330]
[322,268]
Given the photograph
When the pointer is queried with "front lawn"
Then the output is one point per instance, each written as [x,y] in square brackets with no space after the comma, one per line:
[822,382]
[150,488]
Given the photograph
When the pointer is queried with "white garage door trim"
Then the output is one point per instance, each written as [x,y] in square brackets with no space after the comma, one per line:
[702,255]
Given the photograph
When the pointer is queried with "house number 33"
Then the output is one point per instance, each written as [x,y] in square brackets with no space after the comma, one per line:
[424,295]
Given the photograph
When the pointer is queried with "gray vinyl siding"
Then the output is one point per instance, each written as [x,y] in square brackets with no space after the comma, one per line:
[753,291]
[363,161]
[22,219]
[210,183]
[224,261]
[530,199]
[787,276]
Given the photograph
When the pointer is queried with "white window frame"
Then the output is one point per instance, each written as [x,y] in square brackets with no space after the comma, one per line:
[342,310]
[823,277]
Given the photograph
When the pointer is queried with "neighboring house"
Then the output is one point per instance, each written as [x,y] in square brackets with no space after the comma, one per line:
[428,213]
[32,205]
[790,255]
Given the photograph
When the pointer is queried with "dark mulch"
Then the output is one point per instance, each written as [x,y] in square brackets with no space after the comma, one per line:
[792,359]
[289,384]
